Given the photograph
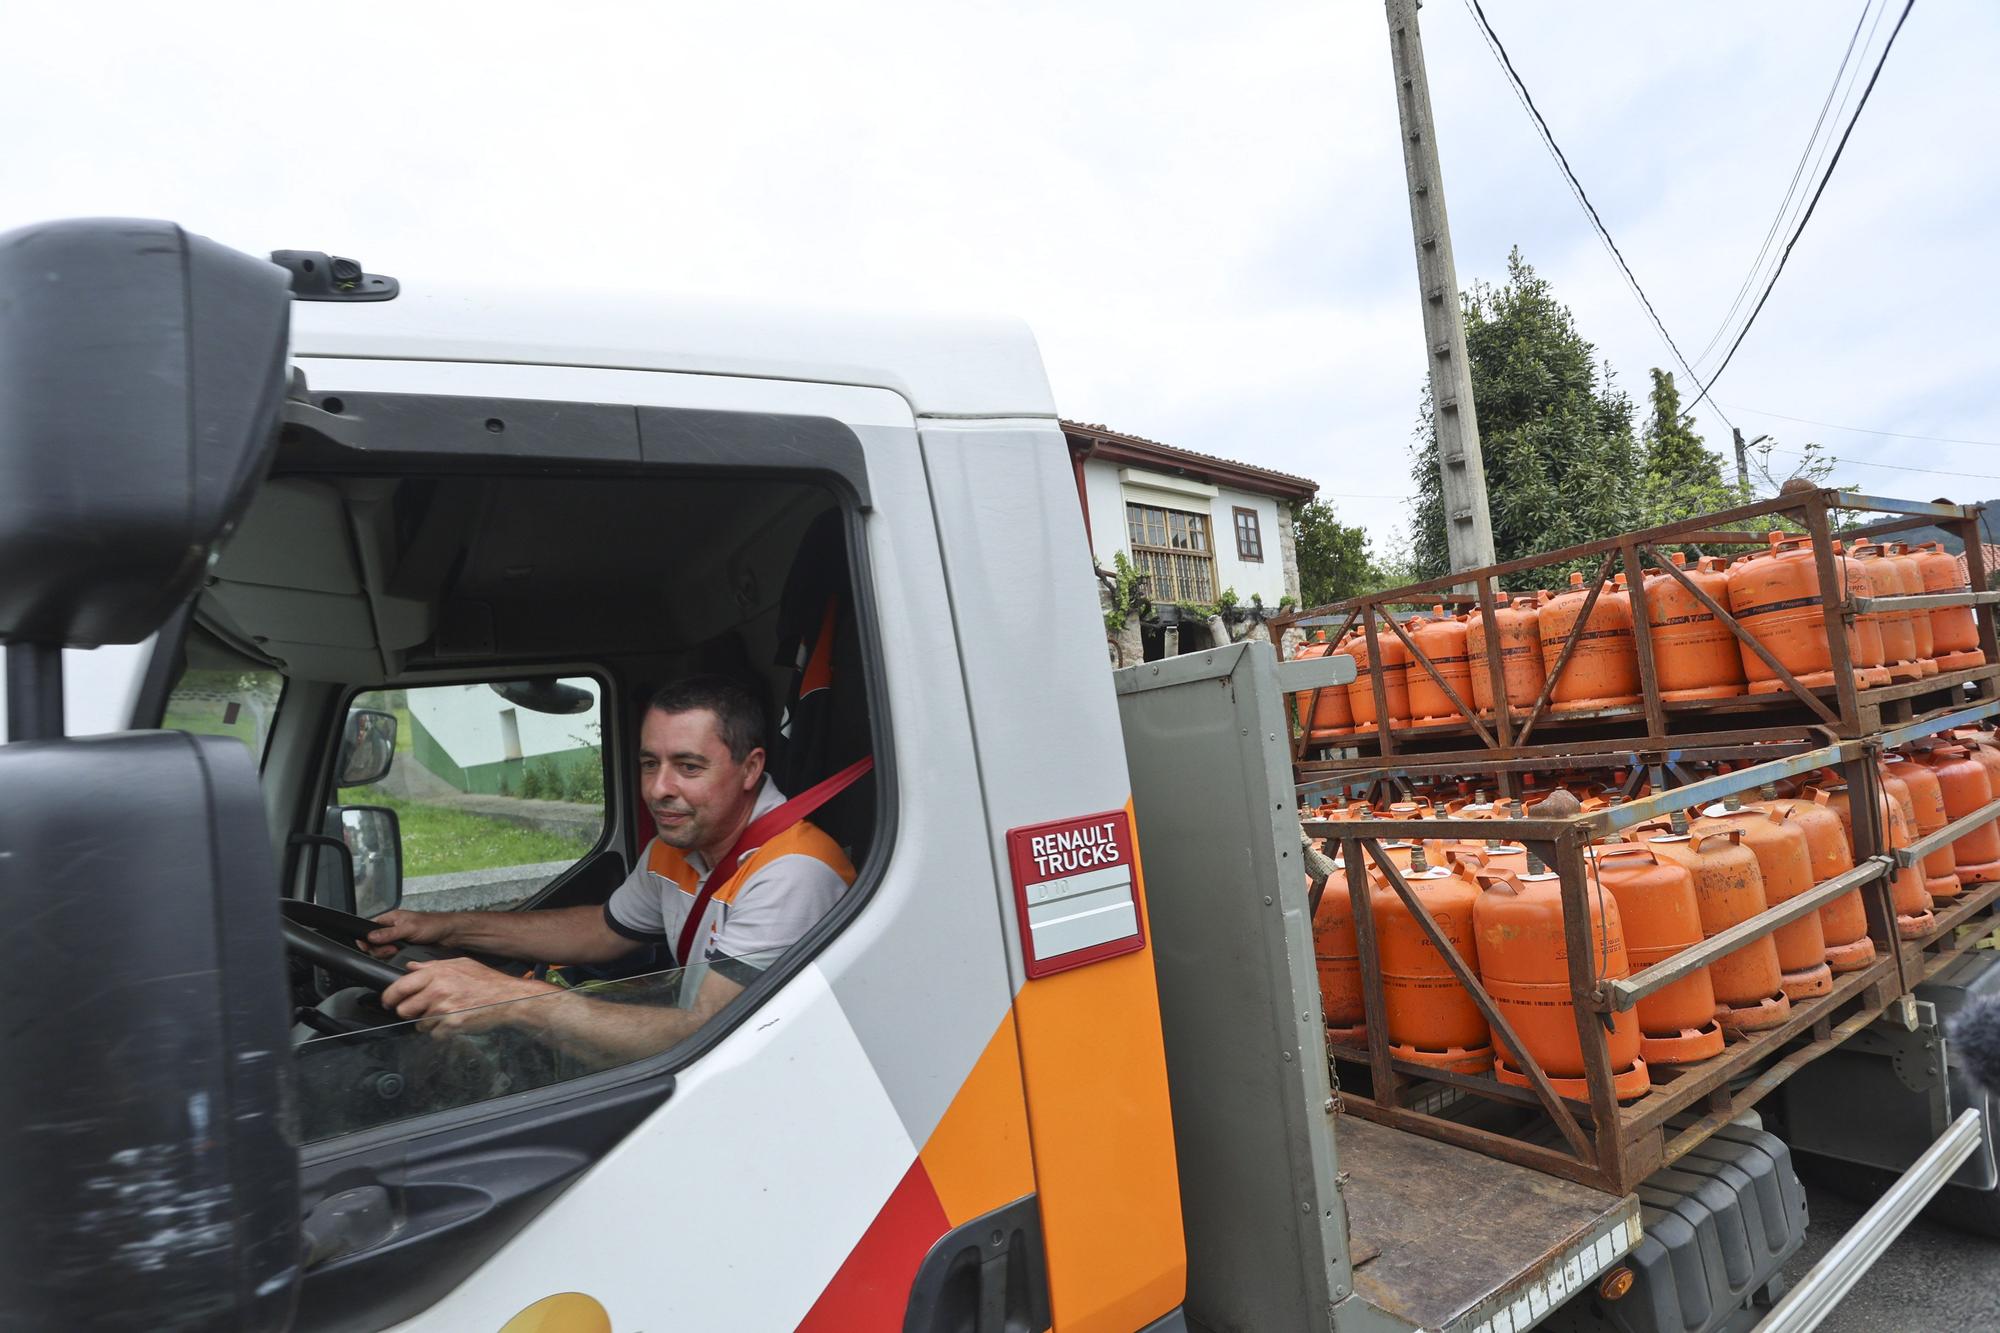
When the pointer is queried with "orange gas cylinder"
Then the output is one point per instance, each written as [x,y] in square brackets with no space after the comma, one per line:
[1337,955]
[1784,861]
[1694,653]
[1524,965]
[1397,852]
[1981,746]
[1927,815]
[1844,921]
[1776,598]
[1870,658]
[1966,787]
[1656,899]
[1500,858]
[1899,636]
[1728,888]
[1442,639]
[1896,575]
[1954,629]
[1432,1020]
[1517,629]
[1603,671]
[1908,573]
[1907,893]
[1395,679]
[1331,715]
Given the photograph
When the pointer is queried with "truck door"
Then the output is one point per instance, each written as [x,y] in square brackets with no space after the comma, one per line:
[1051,760]
[850,1135]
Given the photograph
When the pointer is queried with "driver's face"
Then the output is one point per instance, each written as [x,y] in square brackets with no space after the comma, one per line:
[698,794]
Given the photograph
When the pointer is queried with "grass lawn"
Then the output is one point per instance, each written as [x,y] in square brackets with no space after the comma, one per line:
[442,841]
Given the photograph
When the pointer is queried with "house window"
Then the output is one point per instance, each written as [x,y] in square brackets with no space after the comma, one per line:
[1249,541]
[1172,545]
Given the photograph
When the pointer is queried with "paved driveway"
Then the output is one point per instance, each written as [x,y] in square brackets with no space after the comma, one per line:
[1932,1280]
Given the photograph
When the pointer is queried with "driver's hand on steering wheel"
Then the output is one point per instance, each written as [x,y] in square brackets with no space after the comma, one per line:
[452,993]
[399,927]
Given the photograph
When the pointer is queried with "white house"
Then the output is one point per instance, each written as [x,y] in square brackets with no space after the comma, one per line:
[479,742]
[1198,524]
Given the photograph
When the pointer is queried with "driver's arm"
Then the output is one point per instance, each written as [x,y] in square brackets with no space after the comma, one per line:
[558,935]
[459,995]
[620,1032]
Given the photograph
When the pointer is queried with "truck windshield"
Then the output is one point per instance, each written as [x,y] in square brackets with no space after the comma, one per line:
[238,703]
[380,1075]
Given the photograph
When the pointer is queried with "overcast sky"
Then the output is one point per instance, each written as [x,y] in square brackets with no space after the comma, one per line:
[1199,208]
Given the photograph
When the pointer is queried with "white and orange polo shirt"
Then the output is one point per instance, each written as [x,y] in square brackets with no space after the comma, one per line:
[778,892]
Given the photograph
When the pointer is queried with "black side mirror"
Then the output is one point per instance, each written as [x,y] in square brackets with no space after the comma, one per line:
[367,747]
[374,838]
[142,373]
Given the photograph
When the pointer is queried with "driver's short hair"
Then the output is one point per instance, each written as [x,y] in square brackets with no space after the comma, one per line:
[739,713]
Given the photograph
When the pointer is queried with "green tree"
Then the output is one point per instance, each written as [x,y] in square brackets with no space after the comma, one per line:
[1561,463]
[1813,463]
[1335,561]
[1681,477]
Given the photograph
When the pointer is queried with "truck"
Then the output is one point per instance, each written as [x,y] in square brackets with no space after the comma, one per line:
[1055,1059]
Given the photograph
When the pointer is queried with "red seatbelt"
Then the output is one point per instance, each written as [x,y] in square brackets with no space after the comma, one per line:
[759,832]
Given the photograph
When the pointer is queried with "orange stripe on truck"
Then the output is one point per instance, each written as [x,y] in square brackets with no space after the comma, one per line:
[978,1157]
[1103,1132]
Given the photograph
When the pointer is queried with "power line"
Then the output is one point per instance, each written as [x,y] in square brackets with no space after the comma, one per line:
[1831,166]
[1791,189]
[1863,430]
[1576,186]
[1891,467]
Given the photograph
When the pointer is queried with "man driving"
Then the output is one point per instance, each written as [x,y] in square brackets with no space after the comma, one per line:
[701,772]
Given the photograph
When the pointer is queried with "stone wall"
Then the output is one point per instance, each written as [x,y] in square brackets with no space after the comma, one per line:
[1288,551]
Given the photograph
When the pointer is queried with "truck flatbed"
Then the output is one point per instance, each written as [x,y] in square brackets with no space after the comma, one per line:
[1445,1238]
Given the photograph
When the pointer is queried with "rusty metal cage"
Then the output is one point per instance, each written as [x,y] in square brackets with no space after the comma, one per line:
[1506,741]
[1602,1142]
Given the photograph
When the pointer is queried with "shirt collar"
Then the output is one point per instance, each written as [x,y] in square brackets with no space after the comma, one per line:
[769,798]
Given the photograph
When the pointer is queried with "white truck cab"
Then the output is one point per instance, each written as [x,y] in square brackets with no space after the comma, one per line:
[464,499]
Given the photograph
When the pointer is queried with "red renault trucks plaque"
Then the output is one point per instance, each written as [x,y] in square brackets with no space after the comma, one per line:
[1076,888]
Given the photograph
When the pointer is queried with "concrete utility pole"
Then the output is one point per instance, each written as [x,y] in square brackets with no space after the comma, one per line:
[1743,460]
[1468,525]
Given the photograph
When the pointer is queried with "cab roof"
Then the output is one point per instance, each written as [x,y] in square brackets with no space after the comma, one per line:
[943,367]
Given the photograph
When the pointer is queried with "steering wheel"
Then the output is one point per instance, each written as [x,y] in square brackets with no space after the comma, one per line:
[322,934]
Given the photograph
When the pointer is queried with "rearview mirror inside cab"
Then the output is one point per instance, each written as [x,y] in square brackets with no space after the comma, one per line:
[367,748]
[545,694]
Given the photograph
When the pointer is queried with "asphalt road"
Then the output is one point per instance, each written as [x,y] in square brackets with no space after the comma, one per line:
[1934,1279]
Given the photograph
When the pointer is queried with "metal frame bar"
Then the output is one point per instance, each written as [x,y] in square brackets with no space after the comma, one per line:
[1928,601]
[1624,993]
[1837,616]
[1378,686]
[1581,947]
[1642,639]
[1496,669]
[1950,833]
